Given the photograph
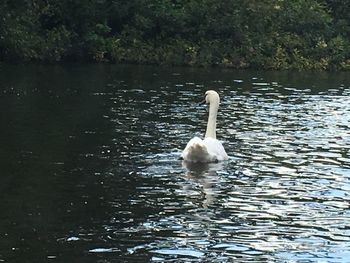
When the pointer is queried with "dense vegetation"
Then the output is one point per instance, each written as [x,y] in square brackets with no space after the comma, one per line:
[269,34]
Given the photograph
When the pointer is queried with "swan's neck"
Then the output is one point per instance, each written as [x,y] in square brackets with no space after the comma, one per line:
[211,126]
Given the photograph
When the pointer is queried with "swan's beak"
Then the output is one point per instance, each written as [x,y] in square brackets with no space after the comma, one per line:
[202,102]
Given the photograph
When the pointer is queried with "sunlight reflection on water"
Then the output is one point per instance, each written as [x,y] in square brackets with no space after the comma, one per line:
[283,194]
[97,175]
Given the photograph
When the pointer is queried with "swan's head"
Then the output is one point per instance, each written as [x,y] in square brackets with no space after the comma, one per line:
[211,96]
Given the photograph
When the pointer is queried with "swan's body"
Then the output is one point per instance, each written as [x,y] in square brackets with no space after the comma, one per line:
[210,149]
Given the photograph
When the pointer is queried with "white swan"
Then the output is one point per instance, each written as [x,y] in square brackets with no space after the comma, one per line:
[210,149]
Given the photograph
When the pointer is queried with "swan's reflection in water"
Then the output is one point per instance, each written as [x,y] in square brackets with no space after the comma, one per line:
[188,208]
[200,169]
[192,228]
[206,175]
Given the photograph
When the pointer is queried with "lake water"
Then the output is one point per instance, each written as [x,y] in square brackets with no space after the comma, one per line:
[90,168]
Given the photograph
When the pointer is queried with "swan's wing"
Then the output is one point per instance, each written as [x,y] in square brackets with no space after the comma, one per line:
[196,151]
[215,149]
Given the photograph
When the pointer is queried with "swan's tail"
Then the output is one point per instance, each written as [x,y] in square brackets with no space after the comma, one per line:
[195,151]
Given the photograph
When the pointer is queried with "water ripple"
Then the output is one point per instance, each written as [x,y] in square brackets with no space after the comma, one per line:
[284,194]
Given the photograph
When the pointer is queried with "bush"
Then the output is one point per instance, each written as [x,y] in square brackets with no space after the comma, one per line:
[266,34]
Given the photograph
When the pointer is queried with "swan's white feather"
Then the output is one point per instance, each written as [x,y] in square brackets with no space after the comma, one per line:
[204,151]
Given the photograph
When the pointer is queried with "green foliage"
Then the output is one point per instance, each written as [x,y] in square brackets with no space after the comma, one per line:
[18,39]
[265,34]
[57,44]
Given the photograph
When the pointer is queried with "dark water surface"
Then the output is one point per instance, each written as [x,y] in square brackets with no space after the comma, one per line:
[90,169]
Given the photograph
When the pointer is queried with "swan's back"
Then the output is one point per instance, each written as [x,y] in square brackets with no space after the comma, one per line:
[204,151]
